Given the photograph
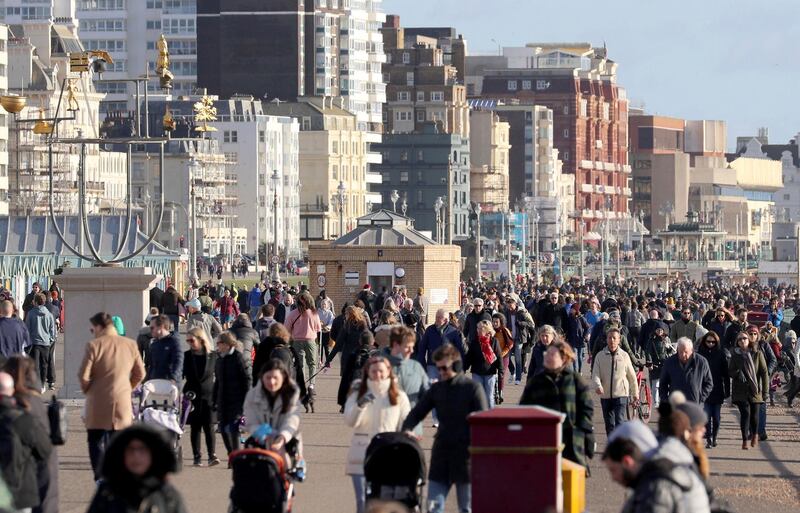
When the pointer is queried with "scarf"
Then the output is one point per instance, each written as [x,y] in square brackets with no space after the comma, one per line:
[486,349]
[749,370]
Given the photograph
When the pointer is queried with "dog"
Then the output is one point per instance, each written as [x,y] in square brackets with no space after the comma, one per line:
[308,399]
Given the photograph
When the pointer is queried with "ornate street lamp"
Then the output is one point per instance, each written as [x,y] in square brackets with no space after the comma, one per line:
[437,207]
[276,180]
[393,197]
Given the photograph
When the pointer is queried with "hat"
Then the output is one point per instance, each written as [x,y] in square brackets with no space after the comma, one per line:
[697,417]
[638,433]
[477,301]
[367,286]
[194,303]
[614,314]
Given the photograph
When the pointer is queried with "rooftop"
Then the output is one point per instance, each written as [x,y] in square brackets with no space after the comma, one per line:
[384,228]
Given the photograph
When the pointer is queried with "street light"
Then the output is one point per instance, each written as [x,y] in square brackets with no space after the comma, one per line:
[276,180]
[437,207]
[404,206]
[340,197]
[583,228]
[393,197]
[476,211]
[536,240]
[194,164]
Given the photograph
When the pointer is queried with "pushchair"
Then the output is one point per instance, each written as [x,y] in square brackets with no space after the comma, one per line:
[394,469]
[161,404]
[263,482]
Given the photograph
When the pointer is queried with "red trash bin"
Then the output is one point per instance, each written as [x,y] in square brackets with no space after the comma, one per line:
[518,449]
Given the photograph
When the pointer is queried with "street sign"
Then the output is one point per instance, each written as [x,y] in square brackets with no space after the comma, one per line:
[321,280]
[275,259]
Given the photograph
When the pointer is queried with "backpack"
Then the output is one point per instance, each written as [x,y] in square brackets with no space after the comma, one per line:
[12,453]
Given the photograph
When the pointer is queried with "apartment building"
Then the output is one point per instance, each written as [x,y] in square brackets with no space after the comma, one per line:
[489,147]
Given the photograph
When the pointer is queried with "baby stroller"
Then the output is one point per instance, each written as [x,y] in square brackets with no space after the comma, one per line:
[161,405]
[394,469]
[262,480]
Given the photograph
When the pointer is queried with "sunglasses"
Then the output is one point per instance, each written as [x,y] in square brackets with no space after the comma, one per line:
[752,333]
[443,367]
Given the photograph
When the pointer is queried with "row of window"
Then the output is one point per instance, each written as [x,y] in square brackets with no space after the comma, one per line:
[434,96]
[103,25]
[103,5]
[354,147]
[30,13]
[109,45]
[541,85]
[406,115]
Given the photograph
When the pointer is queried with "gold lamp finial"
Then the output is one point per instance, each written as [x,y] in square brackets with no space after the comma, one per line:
[204,111]
[42,127]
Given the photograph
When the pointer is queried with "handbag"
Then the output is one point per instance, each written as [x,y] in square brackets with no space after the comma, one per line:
[57,416]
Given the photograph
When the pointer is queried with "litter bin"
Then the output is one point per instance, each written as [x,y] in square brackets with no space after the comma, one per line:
[519,449]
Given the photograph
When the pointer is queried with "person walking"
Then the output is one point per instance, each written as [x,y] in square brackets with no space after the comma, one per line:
[255,300]
[199,363]
[248,339]
[521,325]
[614,381]
[26,446]
[545,336]
[656,351]
[166,357]
[135,474]
[761,344]
[170,305]
[687,372]
[576,335]
[197,318]
[304,325]
[27,396]
[710,349]
[684,327]
[42,328]
[228,309]
[749,386]
[506,341]
[111,368]
[27,303]
[275,401]
[485,360]
[454,397]
[374,405]
[421,304]
[347,338]
[230,387]
[14,336]
[412,378]
[561,388]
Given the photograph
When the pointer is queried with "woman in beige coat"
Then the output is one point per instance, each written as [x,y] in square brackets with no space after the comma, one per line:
[375,405]
[111,369]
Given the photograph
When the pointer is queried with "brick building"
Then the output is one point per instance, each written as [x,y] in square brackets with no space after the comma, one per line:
[590,116]
[385,251]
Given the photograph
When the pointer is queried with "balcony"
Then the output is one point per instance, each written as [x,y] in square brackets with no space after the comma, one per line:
[587,187]
[626,191]
[626,168]
[587,164]
[374,178]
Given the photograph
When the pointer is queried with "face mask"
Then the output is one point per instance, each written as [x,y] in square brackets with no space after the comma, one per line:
[379,387]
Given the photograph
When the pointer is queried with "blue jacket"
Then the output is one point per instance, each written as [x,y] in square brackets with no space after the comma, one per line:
[41,326]
[256,298]
[433,339]
[166,359]
[14,336]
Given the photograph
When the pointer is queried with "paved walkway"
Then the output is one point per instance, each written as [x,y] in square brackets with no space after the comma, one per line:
[765,479]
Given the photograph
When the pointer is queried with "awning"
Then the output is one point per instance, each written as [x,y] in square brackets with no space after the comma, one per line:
[592,236]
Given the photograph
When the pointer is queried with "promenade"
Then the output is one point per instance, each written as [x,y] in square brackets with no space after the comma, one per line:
[766,479]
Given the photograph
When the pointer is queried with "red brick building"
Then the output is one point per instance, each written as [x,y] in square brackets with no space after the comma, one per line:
[590,116]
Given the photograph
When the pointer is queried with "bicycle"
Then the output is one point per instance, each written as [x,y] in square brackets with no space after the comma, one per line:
[641,408]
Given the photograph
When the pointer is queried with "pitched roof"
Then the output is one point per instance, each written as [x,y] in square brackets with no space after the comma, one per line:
[384,228]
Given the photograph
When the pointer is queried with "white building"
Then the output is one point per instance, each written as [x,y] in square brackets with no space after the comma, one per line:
[128,30]
[38,55]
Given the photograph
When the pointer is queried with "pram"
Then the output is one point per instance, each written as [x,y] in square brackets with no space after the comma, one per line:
[161,405]
[394,469]
[262,481]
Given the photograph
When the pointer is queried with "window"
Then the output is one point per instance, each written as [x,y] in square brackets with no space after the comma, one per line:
[566,156]
[420,115]
[406,58]
[231,157]
[566,133]
[787,197]
[404,155]
[410,78]
[437,96]
[420,96]
[261,136]
[102,25]
[107,5]
[109,45]
[153,25]
[541,85]
[526,85]
[230,136]
[404,177]
[420,156]
[512,85]
[335,147]
[566,110]
[306,123]
[335,172]
[402,96]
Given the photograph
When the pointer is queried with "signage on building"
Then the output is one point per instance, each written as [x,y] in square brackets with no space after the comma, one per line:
[321,280]
[351,278]
[438,296]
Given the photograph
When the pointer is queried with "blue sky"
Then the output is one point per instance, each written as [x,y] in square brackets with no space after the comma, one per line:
[733,60]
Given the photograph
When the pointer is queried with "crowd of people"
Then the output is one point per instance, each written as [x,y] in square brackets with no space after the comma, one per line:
[251,358]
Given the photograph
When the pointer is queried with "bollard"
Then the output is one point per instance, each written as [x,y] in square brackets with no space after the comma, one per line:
[574,480]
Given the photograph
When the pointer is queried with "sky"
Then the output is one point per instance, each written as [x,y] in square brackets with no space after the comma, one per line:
[733,60]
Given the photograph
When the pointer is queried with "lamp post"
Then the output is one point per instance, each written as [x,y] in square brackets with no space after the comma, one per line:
[340,198]
[582,228]
[560,249]
[508,244]
[449,204]
[536,240]
[404,207]
[193,166]
[641,234]
[476,210]
[393,197]
[14,104]
[276,179]
[437,207]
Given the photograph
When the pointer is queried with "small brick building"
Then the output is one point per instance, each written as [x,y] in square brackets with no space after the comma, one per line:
[386,250]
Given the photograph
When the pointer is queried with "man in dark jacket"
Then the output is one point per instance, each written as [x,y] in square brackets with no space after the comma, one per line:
[166,357]
[553,313]
[709,348]
[735,327]
[521,325]
[455,397]
[14,336]
[719,324]
[648,328]
[687,372]
[27,304]
[29,445]
[169,306]
[477,315]
[243,330]
[772,364]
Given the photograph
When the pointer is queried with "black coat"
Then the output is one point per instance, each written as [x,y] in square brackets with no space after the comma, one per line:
[290,357]
[454,400]
[198,371]
[718,365]
[35,447]
[729,342]
[243,330]
[121,492]
[231,384]
[166,358]
[553,314]
[470,328]
[477,362]
[351,371]
[694,380]
[347,341]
